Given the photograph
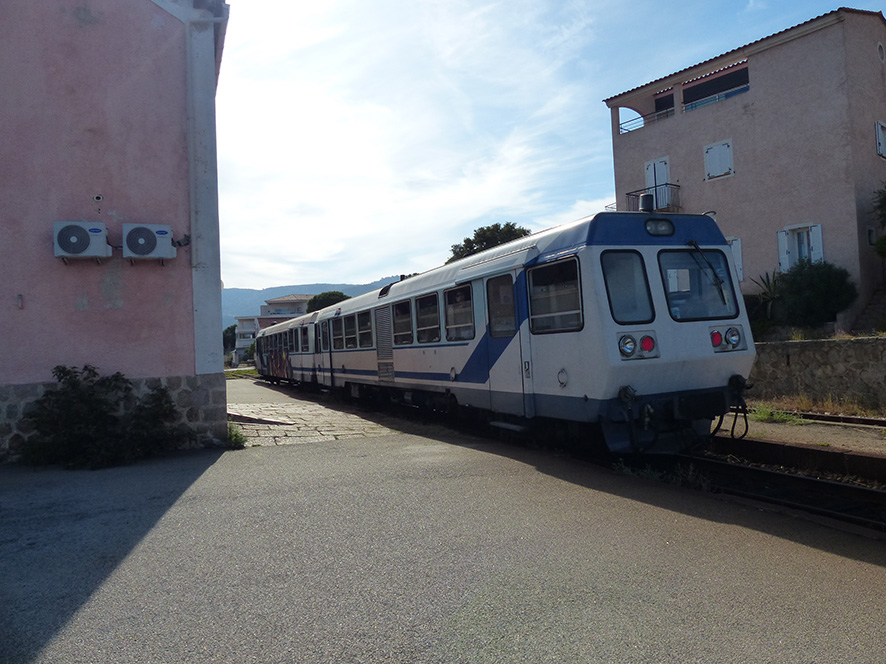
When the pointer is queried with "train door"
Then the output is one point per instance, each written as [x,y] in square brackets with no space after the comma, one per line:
[293,361]
[504,347]
[337,334]
[322,354]
[315,348]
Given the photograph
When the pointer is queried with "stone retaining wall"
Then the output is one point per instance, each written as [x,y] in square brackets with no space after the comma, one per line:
[832,369]
[201,402]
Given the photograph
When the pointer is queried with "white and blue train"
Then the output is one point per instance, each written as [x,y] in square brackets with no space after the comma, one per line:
[630,322]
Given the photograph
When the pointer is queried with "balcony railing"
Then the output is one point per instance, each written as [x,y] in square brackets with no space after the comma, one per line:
[713,99]
[643,120]
[665,198]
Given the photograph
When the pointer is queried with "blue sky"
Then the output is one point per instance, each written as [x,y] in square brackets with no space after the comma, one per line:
[359,139]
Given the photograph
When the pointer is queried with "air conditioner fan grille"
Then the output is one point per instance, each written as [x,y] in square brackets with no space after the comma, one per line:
[73,239]
[141,241]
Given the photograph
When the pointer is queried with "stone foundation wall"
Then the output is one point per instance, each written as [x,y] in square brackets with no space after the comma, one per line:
[833,369]
[201,402]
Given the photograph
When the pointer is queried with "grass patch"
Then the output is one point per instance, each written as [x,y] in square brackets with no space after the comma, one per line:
[853,406]
[246,372]
[767,414]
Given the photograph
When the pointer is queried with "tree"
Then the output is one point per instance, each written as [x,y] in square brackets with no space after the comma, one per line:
[325,299]
[229,338]
[487,237]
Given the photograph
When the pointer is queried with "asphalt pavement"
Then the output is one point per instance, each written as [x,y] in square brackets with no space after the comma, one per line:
[416,545]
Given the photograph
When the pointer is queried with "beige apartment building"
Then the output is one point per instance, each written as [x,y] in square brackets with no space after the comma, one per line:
[783,141]
[273,311]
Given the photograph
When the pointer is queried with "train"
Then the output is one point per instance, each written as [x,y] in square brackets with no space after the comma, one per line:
[629,326]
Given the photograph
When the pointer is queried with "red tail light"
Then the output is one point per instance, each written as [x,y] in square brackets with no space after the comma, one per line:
[647,344]
[716,339]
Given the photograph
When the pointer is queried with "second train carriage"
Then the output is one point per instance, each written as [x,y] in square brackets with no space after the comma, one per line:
[632,321]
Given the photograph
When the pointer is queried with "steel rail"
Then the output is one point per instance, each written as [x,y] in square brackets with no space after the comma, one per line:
[850,503]
[834,419]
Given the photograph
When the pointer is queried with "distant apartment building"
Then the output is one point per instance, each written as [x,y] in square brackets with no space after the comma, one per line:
[109,202]
[783,141]
[273,311]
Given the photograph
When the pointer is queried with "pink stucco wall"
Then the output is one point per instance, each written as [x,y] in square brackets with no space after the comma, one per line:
[93,104]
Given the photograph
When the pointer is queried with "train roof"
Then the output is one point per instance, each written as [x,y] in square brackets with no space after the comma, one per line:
[620,229]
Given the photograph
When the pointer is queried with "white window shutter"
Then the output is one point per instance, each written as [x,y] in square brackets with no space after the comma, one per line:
[816,251]
[784,260]
[718,159]
[881,139]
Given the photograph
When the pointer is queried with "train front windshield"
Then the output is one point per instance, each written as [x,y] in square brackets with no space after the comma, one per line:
[698,285]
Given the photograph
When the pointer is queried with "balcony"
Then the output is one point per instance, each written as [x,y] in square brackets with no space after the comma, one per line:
[665,198]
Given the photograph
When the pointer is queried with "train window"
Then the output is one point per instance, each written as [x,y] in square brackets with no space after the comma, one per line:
[338,336]
[364,329]
[459,314]
[555,298]
[316,338]
[351,331]
[324,335]
[305,343]
[402,323]
[698,284]
[427,319]
[500,300]
[627,287]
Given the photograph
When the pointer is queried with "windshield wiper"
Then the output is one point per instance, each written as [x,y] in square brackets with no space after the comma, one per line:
[712,274]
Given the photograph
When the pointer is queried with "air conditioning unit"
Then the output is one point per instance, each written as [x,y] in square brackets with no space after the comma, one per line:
[148,241]
[81,239]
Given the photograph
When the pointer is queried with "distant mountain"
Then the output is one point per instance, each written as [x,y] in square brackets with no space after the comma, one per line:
[248,301]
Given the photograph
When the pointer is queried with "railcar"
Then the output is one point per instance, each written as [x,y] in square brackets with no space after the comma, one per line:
[629,322]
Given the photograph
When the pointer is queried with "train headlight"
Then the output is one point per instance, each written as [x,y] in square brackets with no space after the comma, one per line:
[716,338]
[659,227]
[733,336]
[627,345]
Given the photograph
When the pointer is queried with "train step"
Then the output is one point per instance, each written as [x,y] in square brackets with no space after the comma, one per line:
[516,428]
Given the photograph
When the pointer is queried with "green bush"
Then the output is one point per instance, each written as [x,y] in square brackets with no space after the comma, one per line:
[814,293]
[150,431]
[236,438]
[93,421]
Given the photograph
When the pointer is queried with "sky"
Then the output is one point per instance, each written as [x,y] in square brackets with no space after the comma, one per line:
[359,139]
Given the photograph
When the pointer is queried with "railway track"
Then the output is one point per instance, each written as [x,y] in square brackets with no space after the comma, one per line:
[850,503]
[840,500]
[832,419]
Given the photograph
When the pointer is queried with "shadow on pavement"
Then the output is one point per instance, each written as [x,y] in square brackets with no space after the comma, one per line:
[62,533]
[569,467]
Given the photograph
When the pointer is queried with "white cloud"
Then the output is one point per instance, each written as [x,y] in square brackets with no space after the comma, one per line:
[357,141]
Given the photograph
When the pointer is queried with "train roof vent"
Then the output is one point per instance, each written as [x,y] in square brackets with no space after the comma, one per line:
[384,291]
[647,202]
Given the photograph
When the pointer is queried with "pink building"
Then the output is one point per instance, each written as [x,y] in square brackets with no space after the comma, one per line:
[108,200]
[784,139]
